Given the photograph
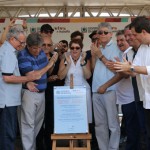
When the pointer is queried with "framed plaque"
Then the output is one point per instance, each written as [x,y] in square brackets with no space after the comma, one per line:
[70,110]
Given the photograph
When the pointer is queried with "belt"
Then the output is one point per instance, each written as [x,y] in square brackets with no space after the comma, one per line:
[40,91]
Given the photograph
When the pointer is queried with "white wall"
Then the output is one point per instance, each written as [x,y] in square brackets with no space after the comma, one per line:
[63,30]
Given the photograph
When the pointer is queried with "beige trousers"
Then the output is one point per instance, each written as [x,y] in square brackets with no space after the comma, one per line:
[31,116]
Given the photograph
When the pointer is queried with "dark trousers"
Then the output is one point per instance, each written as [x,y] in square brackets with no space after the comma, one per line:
[8,127]
[45,133]
[142,125]
[147,118]
[141,116]
[49,124]
[132,126]
[122,128]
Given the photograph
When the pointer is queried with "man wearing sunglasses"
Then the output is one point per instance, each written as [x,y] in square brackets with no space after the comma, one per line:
[105,111]
[52,81]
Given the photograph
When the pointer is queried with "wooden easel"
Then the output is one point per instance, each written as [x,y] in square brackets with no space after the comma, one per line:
[71,137]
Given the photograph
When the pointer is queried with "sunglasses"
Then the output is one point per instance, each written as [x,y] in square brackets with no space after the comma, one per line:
[103,32]
[72,48]
[48,45]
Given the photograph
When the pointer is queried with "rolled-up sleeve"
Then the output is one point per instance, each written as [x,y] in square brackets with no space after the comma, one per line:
[148,70]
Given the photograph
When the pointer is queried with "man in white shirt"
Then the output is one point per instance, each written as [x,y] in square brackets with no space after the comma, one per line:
[138,89]
[140,28]
[10,87]
[105,111]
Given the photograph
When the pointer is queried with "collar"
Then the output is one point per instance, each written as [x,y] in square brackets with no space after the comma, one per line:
[128,49]
[26,48]
[109,43]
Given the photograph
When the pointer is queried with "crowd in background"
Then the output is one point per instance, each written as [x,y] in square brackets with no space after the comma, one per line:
[114,73]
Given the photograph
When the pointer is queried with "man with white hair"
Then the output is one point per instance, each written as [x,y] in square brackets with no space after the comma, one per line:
[105,110]
[10,87]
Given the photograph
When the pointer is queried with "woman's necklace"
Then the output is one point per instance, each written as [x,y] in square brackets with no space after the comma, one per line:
[75,60]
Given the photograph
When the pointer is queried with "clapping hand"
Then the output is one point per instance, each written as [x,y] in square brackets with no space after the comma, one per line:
[54,58]
[122,66]
[83,55]
[67,57]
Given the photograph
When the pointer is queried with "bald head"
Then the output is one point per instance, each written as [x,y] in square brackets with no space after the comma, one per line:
[47,44]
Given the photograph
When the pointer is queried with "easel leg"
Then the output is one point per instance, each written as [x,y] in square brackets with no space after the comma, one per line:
[71,144]
[54,145]
[88,145]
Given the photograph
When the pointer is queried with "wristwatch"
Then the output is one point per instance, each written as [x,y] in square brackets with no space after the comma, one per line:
[132,69]
[84,63]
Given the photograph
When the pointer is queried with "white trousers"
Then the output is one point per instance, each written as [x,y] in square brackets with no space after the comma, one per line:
[107,127]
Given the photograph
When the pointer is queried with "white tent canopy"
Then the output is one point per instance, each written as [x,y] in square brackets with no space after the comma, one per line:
[73,2]
[73,8]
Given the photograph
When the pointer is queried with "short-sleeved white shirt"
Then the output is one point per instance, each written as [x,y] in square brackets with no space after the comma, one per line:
[10,94]
[142,58]
[124,88]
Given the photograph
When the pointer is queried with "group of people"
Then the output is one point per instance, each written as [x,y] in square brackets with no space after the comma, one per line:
[113,73]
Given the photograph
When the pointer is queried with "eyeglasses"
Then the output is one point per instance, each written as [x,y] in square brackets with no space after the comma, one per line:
[48,31]
[103,32]
[21,43]
[48,45]
[72,48]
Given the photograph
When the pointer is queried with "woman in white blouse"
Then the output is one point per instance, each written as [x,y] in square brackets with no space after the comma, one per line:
[75,63]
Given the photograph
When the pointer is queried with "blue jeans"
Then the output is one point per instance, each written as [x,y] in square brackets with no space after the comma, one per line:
[131,125]
[8,127]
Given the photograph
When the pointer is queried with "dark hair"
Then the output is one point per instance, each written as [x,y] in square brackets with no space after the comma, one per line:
[92,34]
[46,27]
[34,39]
[75,34]
[141,23]
[76,41]
[127,27]
[120,32]
[64,41]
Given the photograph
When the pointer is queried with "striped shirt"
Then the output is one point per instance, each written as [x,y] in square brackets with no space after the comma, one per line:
[28,62]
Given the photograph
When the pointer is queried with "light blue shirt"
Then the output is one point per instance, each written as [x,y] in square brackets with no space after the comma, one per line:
[101,73]
[10,94]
